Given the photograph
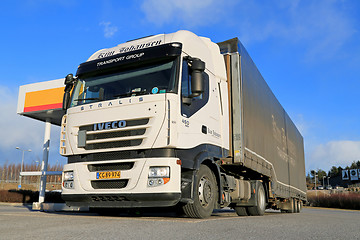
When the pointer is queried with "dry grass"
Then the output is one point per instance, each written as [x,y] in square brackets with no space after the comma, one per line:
[31,186]
[26,196]
[21,196]
[346,200]
[10,173]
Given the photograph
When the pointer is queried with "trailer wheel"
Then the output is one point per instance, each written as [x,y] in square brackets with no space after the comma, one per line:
[298,205]
[241,211]
[259,210]
[296,209]
[206,197]
[293,206]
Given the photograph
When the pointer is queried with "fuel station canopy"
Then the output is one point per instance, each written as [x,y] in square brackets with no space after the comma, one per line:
[42,101]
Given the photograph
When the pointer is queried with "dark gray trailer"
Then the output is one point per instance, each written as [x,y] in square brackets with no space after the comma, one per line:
[265,143]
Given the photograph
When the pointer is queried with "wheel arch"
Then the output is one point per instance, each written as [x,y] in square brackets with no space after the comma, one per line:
[216,171]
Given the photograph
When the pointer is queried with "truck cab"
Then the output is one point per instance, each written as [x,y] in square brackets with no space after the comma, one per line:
[177,120]
[142,118]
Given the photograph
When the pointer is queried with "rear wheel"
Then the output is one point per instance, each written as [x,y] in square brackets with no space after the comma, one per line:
[292,206]
[296,206]
[259,210]
[206,195]
[299,206]
[241,211]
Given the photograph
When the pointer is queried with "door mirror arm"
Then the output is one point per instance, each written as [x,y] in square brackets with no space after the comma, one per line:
[69,84]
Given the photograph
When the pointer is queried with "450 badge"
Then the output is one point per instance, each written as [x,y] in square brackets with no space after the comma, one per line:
[186,122]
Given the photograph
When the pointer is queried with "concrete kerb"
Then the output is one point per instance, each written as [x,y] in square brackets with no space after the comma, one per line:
[15,204]
[47,207]
[57,207]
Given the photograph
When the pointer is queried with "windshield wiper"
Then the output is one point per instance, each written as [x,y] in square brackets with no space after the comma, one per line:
[123,94]
[82,99]
[128,94]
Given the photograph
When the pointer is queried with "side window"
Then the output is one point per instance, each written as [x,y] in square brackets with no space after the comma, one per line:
[187,110]
[185,80]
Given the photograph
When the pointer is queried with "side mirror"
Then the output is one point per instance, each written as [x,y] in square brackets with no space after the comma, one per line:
[69,79]
[197,68]
[69,83]
[197,80]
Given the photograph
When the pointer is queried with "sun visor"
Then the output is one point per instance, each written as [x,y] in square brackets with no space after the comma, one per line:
[42,100]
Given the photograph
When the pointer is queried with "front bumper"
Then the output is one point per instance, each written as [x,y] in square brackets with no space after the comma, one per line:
[135,192]
[122,200]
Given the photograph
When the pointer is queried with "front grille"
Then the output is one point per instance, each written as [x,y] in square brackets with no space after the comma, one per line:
[117,144]
[109,184]
[131,135]
[109,156]
[129,123]
[105,135]
[110,166]
[118,155]
[107,198]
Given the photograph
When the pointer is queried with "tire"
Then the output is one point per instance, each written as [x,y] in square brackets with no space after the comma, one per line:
[292,206]
[299,205]
[206,197]
[241,211]
[296,207]
[258,210]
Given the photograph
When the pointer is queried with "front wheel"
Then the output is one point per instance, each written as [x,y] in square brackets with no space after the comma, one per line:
[206,195]
[258,210]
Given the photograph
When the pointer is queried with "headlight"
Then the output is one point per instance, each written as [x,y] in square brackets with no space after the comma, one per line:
[68,176]
[158,176]
[68,179]
[159,172]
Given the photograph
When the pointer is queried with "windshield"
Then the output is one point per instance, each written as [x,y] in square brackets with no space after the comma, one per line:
[151,79]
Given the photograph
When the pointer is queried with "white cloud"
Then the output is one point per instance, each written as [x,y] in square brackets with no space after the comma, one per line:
[109,30]
[18,131]
[333,153]
[321,27]
[189,12]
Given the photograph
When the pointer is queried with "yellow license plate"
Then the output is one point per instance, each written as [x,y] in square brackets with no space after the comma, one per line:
[108,175]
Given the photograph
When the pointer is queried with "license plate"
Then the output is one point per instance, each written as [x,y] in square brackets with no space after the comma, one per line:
[108,175]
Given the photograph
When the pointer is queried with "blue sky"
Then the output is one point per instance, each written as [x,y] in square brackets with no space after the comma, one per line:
[308,51]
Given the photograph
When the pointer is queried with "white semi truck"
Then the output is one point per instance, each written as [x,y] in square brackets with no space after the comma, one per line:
[177,120]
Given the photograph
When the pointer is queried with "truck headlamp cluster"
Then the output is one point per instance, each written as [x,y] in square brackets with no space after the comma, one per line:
[68,179]
[158,176]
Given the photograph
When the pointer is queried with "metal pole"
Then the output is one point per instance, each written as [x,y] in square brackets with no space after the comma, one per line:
[328,180]
[21,168]
[44,164]
[22,164]
[324,181]
[315,185]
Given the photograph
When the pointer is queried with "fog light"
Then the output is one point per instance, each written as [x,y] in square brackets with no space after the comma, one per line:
[151,182]
[68,184]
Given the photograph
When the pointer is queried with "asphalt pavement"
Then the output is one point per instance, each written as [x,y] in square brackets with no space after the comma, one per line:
[20,222]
